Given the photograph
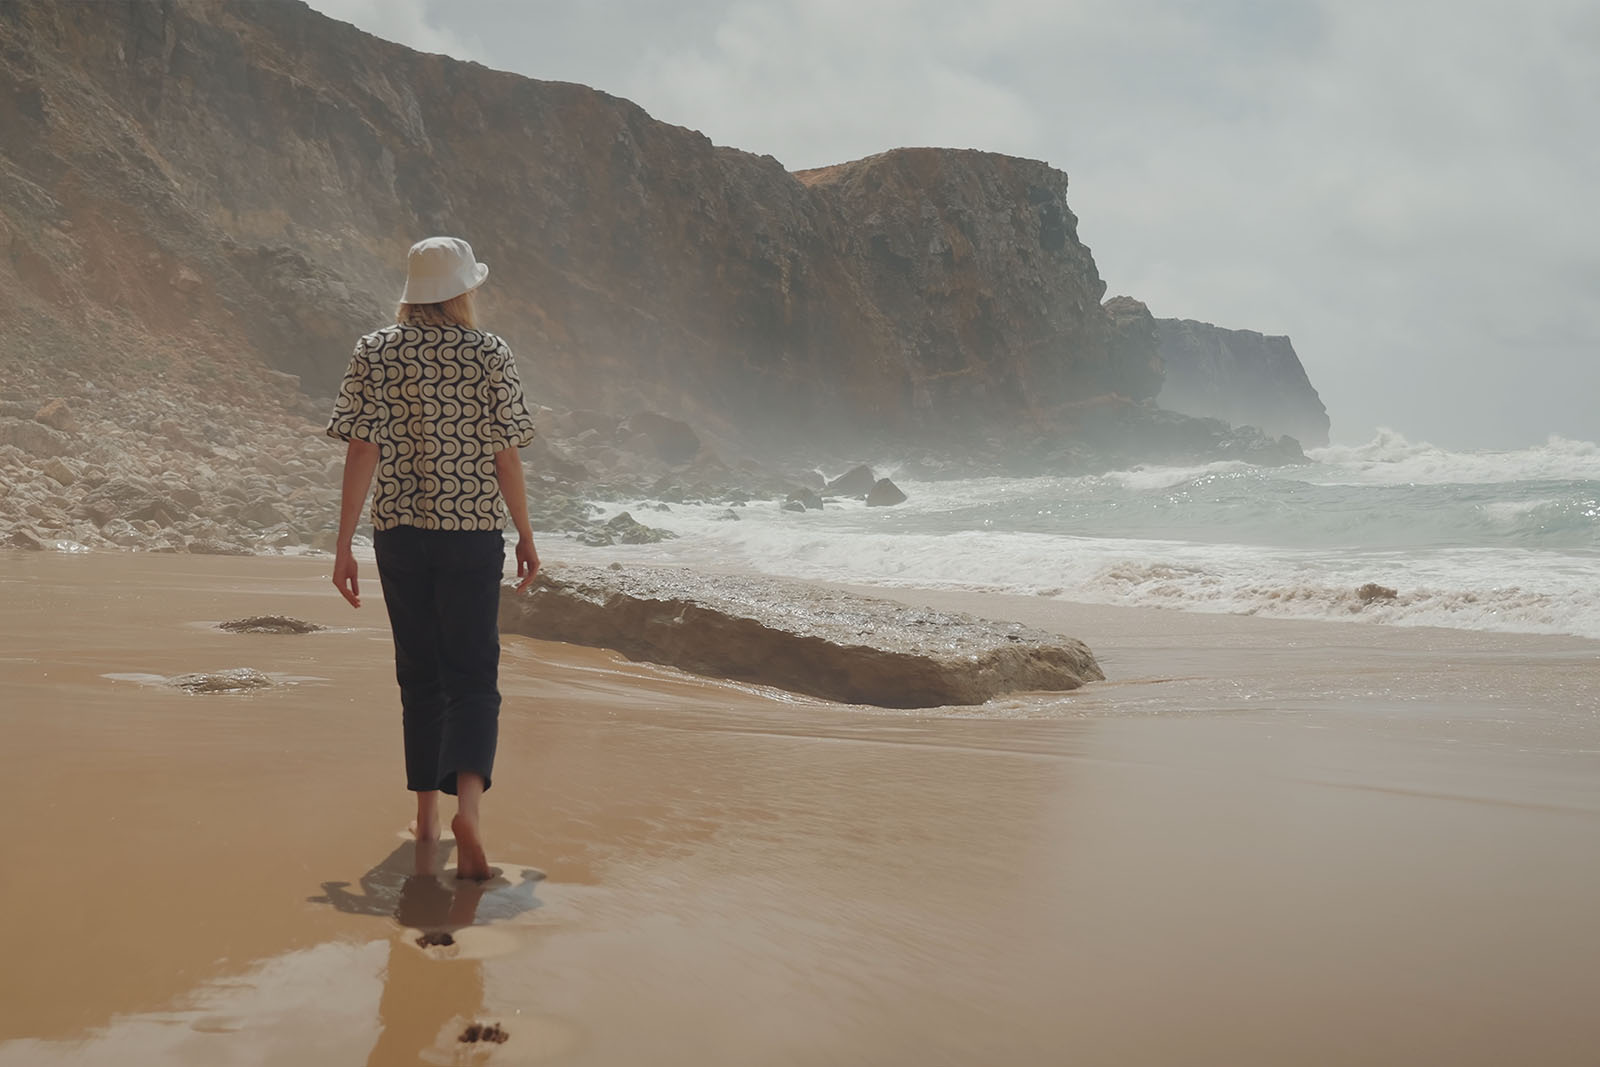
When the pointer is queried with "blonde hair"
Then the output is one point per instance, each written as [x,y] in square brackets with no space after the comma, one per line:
[457,311]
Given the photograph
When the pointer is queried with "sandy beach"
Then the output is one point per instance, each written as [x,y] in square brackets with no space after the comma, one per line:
[1258,842]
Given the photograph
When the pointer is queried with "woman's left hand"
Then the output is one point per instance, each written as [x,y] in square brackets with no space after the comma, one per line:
[527,562]
[344,577]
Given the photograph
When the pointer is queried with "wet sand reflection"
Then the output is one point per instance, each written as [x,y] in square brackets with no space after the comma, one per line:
[433,994]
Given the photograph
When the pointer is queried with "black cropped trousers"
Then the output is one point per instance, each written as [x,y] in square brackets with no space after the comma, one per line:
[442,589]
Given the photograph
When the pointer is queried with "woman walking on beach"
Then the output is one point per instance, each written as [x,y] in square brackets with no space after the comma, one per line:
[432,404]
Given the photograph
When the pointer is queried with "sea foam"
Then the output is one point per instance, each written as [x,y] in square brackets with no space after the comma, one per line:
[1506,541]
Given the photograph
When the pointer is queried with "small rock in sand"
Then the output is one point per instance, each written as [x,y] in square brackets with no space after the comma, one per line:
[233,680]
[483,1032]
[269,624]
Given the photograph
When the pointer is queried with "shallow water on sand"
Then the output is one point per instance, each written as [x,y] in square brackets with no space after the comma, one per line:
[1259,842]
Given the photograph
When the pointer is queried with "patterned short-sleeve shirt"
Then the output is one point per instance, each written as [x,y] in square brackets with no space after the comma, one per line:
[439,401]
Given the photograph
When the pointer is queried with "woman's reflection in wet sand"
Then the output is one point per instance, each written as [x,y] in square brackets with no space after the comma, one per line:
[426,988]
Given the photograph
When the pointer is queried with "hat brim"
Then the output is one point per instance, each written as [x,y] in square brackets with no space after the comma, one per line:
[411,295]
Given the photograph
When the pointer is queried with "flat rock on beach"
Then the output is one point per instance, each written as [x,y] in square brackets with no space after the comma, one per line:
[791,635]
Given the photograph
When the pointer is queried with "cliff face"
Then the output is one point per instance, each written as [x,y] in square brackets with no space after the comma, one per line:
[1241,377]
[210,187]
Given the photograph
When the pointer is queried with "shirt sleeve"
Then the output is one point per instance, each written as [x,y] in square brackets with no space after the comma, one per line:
[511,424]
[358,413]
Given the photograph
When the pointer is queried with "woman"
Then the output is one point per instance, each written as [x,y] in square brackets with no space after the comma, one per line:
[433,405]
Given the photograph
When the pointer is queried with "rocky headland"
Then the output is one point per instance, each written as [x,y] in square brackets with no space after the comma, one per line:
[1239,376]
[193,194]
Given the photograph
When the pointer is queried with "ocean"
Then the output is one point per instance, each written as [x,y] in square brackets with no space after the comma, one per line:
[1502,541]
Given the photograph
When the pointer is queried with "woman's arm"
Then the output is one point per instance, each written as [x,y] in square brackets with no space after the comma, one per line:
[360,460]
[508,472]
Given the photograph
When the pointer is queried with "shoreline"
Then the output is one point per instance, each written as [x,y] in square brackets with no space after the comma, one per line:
[1258,833]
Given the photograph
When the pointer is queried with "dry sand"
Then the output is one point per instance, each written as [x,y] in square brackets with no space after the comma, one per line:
[1260,842]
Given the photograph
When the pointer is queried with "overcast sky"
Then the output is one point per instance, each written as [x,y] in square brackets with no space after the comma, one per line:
[1407,188]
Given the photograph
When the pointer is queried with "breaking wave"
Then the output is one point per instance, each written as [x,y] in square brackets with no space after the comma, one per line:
[1506,541]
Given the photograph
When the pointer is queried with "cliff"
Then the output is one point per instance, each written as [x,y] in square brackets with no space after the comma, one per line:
[209,188]
[1240,376]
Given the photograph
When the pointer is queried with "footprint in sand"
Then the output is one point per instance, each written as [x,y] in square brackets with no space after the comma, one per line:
[443,917]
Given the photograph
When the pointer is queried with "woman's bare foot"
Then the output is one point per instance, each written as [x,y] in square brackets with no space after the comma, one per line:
[471,862]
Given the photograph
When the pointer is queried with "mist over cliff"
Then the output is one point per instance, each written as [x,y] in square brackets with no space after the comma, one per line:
[211,188]
[1239,376]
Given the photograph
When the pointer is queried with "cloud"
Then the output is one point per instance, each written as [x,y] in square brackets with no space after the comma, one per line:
[408,22]
[825,94]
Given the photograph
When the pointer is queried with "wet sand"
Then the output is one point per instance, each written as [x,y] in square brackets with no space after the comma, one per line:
[1259,842]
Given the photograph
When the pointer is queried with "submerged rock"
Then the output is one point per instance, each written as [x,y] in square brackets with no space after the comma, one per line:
[269,624]
[830,644]
[627,530]
[806,498]
[857,481]
[885,494]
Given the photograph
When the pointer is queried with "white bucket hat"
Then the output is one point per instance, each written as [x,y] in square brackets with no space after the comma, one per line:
[438,268]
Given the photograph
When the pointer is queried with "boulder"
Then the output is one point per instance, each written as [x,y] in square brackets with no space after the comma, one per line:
[857,481]
[631,531]
[125,498]
[58,470]
[810,479]
[885,494]
[34,438]
[583,421]
[668,490]
[57,416]
[121,532]
[542,457]
[795,636]
[263,513]
[625,529]
[673,441]
[24,539]
[213,546]
[806,498]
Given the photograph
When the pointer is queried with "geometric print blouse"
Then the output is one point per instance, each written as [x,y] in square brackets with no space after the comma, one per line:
[439,402]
